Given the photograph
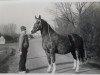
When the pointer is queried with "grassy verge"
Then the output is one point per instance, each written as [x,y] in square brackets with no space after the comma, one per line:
[6,50]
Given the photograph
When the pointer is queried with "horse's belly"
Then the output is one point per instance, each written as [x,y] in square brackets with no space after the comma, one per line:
[63,49]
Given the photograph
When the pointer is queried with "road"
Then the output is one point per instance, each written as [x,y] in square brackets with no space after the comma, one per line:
[37,62]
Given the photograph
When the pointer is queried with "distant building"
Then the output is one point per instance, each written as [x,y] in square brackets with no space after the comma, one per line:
[2,40]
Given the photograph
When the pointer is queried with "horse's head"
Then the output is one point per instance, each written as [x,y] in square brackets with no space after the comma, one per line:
[37,25]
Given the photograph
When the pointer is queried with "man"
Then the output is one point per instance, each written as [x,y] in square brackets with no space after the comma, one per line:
[23,48]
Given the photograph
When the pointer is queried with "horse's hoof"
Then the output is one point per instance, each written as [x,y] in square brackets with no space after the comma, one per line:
[48,70]
[76,71]
[73,68]
[53,72]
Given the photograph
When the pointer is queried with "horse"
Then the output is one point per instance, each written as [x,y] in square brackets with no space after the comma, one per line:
[54,43]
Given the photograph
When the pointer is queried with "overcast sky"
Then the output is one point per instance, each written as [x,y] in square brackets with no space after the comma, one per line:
[22,12]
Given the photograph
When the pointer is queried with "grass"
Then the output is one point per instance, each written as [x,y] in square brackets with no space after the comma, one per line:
[6,50]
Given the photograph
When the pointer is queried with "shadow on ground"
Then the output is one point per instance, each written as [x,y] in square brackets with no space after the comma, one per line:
[83,68]
[42,67]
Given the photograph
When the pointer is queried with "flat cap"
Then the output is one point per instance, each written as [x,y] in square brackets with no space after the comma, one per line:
[23,27]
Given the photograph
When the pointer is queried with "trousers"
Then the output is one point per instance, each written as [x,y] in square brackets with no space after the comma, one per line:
[23,57]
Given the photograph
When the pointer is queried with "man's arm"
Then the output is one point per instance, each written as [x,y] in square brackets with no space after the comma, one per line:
[21,38]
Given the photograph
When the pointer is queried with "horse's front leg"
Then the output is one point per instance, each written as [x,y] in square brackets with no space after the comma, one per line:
[77,61]
[49,62]
[53,62]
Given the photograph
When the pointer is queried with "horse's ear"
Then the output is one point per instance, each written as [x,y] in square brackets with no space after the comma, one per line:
[39,16]
[35,17]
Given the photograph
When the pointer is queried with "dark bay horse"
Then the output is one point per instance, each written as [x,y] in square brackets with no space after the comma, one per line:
[54,43]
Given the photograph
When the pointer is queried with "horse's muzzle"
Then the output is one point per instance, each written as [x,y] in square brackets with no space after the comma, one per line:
[32,32]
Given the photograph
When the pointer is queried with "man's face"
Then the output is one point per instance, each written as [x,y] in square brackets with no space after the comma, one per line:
[22,29]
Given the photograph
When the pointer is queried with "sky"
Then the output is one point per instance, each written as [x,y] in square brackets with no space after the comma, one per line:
[22,12]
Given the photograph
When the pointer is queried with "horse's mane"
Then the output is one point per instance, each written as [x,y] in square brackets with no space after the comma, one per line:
[46,23]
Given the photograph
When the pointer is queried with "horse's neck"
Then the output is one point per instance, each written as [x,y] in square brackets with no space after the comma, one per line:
[47,31]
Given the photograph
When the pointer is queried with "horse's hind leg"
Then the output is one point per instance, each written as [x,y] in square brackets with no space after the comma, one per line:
[53,63]
[74,56]
[76,60]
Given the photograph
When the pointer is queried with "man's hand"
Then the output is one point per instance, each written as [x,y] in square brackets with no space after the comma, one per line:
[19,52]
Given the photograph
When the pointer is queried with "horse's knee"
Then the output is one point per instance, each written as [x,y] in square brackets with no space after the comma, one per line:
[53,60]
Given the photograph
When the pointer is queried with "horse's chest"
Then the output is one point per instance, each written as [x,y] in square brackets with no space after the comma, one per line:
[47,44]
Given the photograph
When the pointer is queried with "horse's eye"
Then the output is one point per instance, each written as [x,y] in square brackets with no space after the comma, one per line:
[38,22]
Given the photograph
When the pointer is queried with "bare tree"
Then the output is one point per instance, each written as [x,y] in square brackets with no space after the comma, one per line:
[84,19]
[9,32]
[82,8]
[66,14]
[66,11]
[9,29]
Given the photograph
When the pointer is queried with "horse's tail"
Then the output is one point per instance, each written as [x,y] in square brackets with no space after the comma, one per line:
[81,53]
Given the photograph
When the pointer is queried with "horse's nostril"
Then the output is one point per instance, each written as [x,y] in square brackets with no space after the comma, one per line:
[31,32]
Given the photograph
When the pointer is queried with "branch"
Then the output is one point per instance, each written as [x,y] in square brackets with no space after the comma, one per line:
[88,7]
[65,13]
